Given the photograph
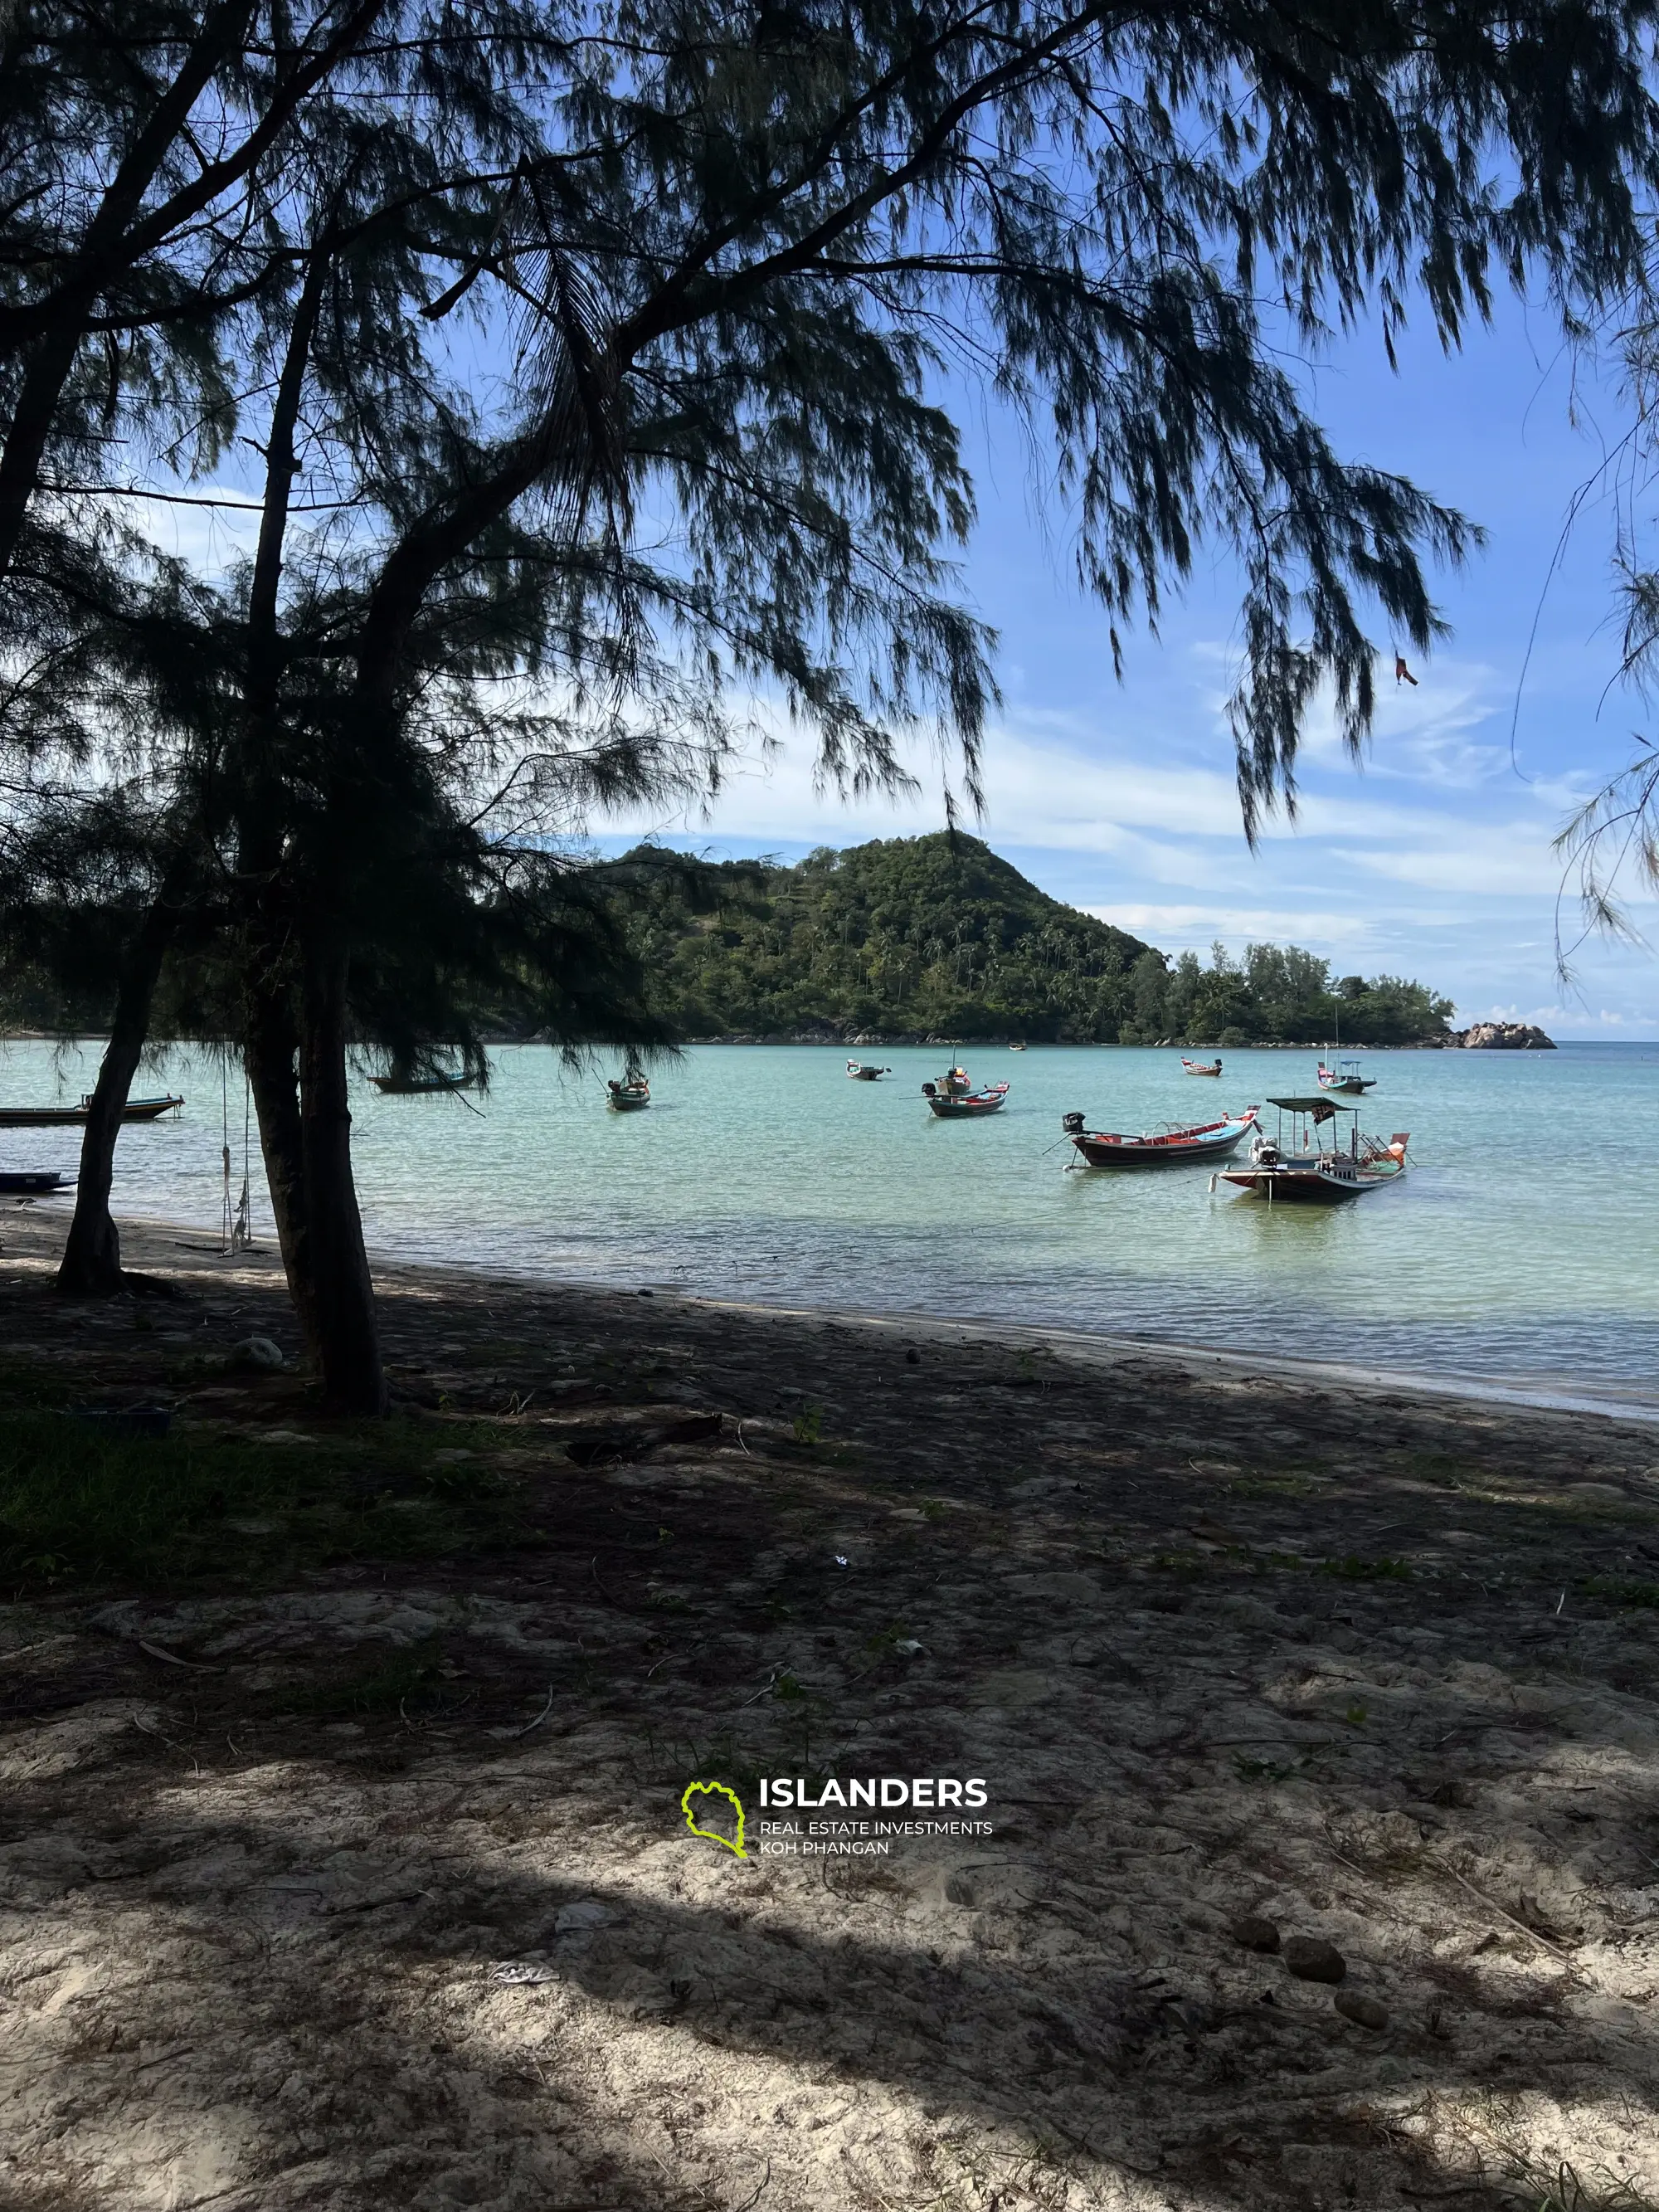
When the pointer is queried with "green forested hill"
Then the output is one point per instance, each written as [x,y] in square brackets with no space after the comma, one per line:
[909,937]
[936,936]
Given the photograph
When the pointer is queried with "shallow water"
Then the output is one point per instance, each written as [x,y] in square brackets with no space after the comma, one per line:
[1520,1250]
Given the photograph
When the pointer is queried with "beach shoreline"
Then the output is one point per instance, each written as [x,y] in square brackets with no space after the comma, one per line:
[154,1241]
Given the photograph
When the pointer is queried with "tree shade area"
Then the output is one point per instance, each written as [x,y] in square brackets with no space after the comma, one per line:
[938,937]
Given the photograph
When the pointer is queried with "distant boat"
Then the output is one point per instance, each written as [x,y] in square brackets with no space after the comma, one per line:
[34,1182]
[396,1085]
[631,1094]
[1300,1171]
[954,1098]
[1346,1078]
[866,1071]
[1016,1048]
[1201,1067]
[75,1117]
[1159,1148]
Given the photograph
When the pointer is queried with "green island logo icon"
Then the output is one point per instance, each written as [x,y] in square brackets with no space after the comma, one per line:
[712,1835]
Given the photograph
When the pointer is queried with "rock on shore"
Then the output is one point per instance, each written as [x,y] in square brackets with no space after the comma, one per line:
[1502,1036]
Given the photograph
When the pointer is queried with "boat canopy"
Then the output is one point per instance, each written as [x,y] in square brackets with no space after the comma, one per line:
[1318,1104]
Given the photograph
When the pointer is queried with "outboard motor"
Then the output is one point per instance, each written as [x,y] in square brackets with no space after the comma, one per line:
[1073,1124]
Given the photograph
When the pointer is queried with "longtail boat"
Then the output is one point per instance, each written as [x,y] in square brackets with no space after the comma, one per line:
[1303,1170]
[1171,1146]
[34,1182]
[954,1098]
[1200,1066]
[866,1071]
[1346,1078]
[396,1085]
[75,1117]
[631,1094]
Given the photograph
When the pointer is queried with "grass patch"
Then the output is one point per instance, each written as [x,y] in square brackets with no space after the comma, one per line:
[1353,1569]
[1187,1567]
[1441,1470]
[1271,1486]
[389,1683]
[1619,1589]
[80,1508]
[1260,1769]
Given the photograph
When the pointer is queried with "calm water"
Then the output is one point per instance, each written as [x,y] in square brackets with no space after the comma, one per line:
[1523,1248]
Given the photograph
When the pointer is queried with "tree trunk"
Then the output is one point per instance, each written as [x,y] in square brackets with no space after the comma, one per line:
[269,1055]
[347,1329]
[91,1265]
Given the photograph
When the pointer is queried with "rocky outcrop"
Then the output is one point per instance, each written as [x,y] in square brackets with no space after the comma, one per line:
[1502,1036]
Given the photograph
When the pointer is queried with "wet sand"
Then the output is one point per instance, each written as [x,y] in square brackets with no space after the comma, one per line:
[1377,1669]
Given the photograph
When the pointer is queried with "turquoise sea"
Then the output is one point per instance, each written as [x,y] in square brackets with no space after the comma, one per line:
[1521,1249]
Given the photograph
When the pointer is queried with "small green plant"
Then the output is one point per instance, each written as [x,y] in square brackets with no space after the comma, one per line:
[1357,1715]
[1619,1589]
[885,1641]
[1260,1769]
[386,1685]
[48,1566]
[1353,1569]
[1268,1486]
[933,1509]
[809,1425]
[788,1689]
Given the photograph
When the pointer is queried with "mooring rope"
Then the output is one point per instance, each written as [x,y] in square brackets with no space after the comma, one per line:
[241,1234]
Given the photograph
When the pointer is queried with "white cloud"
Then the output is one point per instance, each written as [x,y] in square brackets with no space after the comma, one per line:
[1176,928]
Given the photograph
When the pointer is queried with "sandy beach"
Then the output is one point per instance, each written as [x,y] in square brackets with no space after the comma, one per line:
[345,1860]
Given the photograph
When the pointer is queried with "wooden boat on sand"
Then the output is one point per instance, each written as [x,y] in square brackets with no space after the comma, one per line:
[864,1071]
[75,1117]
[1200,1066]
[1172,1146]
[954,1098]
[1300,1168]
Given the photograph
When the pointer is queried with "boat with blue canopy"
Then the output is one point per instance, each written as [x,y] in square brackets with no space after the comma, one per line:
[1313,1160]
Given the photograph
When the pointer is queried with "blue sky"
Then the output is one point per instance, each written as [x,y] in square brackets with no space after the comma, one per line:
[1435,861]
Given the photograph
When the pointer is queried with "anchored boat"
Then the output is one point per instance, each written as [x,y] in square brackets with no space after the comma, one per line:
[1346,1078]
[864,1071]
[1200,1066]
[631,1094]
[396,1085]
[954,1098]
[1169,1146]
[75,1117]
[1302,1169]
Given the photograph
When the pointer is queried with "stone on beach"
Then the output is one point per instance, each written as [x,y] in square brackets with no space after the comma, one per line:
[1311,1958]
